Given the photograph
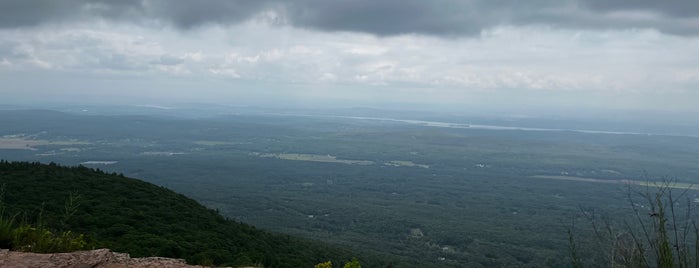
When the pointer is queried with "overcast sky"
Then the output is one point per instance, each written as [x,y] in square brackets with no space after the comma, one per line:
[584,54]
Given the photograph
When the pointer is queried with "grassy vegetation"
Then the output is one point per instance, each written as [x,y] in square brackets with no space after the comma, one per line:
[22,236]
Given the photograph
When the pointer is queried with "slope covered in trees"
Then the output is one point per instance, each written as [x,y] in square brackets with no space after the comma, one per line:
[129,215]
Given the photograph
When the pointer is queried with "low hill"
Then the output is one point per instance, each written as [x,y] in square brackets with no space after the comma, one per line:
[142,219]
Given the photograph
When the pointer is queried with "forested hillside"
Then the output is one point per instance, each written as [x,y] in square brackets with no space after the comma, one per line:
[129,215]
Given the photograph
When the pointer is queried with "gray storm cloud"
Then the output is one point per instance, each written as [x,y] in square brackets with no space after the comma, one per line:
[682,8]
[383,18]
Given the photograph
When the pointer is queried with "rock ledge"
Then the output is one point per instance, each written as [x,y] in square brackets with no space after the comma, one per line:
[99,258]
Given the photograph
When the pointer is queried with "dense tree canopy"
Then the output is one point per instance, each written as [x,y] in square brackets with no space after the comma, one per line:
[129,215]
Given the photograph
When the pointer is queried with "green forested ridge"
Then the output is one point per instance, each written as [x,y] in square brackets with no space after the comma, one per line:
[129,215]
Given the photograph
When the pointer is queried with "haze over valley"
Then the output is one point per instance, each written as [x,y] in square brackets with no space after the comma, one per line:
[381,133]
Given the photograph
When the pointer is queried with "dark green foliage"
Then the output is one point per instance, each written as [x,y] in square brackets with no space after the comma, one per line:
[327,264]
[25,237]
[128,215]
[352,264]
[7,225]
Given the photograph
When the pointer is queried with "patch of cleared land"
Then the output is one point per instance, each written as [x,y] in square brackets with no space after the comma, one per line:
[400,163]
[316,158]
[23,143]
[162,153]
[215,143]
[676,185]
[51,153]
[99,162]
[19,144]
[68,142]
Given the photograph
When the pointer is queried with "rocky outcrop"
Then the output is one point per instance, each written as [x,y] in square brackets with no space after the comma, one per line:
[99,258]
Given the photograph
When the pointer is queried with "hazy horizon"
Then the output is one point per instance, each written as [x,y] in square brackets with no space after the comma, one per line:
[580,55]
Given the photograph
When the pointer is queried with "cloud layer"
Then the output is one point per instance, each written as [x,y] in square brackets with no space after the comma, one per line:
[498,53]
[383,18]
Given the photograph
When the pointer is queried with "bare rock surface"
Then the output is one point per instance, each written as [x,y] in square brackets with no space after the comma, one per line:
[99,258]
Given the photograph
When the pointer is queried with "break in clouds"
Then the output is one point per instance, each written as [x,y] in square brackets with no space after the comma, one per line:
[631,53]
